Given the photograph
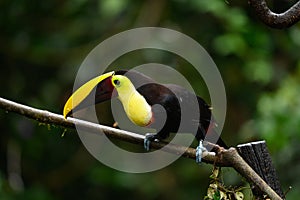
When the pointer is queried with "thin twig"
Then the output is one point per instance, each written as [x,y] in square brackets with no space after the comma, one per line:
[224,157]
[281,20]
[47,117]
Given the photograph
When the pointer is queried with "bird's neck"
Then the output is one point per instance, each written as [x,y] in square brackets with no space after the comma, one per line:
[136,107]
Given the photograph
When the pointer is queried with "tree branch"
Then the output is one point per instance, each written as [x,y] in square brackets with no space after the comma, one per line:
[223,157]
[274,20]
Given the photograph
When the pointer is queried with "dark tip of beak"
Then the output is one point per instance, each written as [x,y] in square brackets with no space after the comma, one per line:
[69,114]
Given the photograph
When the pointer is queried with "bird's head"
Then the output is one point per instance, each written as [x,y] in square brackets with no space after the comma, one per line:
[123,85]
[105,87]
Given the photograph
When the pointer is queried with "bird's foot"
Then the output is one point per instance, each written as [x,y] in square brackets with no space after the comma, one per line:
[199,151]
[148,139]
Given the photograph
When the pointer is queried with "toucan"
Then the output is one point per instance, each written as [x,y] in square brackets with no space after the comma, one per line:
[148,103]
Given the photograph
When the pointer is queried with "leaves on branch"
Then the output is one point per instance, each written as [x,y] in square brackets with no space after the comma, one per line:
[218,190]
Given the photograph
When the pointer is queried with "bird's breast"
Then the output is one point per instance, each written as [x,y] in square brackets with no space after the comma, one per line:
[138,110]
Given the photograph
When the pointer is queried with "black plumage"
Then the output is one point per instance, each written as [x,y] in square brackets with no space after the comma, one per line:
[179,106]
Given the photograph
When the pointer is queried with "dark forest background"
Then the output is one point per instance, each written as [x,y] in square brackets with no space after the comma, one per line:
[43,43]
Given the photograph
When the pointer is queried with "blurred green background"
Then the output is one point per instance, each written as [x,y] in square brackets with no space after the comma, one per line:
[42,44]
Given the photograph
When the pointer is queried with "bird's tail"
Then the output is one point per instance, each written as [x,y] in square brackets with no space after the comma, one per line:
[213,134]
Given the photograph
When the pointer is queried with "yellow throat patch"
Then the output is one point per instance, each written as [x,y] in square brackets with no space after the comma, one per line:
[134,104]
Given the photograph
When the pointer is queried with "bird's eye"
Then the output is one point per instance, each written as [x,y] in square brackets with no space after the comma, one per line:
[117,82]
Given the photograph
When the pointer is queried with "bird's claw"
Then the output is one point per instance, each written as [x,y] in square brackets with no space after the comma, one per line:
[199,151]
[148,139]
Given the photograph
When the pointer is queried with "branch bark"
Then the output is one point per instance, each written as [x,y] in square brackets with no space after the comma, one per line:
[256,154]
[223,157]
[274,20]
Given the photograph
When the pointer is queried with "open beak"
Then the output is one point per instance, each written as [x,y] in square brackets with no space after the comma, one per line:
[83,97]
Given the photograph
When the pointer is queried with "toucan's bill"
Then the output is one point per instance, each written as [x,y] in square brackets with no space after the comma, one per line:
[81,93]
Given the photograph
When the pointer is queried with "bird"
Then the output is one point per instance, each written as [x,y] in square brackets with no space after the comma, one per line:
[148,103]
